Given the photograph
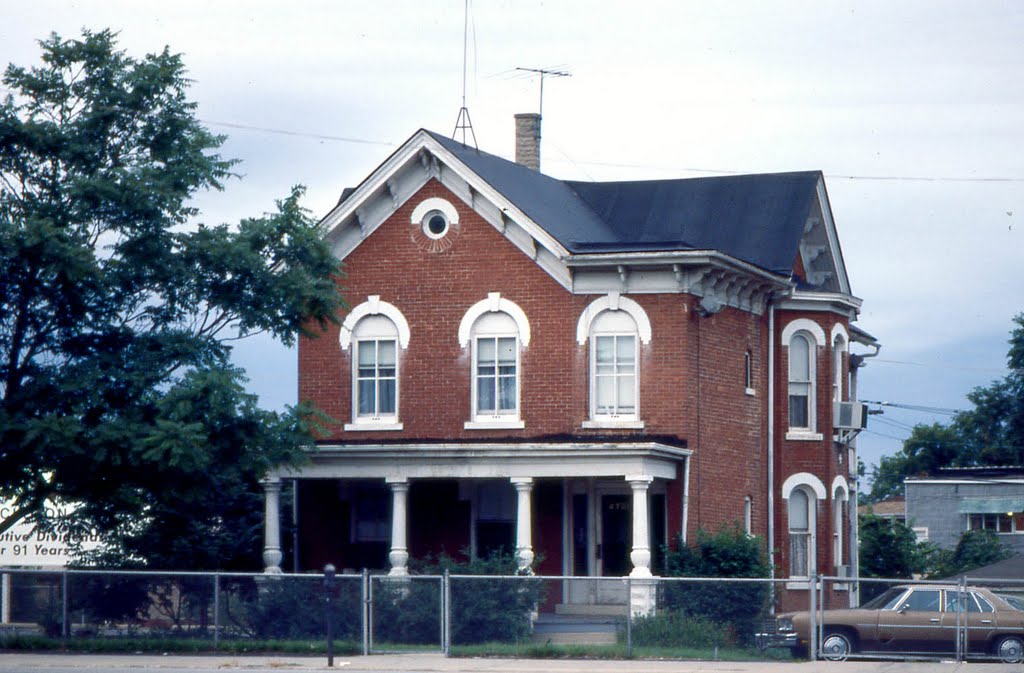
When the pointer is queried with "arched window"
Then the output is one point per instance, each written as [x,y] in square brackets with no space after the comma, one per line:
[495,367]
[800,532]
[614,374]
[375,370]
[801,382]
[374,332]
[838,346]
[802,491]
[840,499]
[496,329]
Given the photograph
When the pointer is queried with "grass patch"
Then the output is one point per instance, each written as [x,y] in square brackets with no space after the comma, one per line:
[617,651]
[177,645]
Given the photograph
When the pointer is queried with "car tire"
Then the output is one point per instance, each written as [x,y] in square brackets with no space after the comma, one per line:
[1010,649]
[836,646]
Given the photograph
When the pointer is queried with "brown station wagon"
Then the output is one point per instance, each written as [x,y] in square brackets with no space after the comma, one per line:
[922,619]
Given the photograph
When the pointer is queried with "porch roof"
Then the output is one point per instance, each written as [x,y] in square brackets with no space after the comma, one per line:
[399,462]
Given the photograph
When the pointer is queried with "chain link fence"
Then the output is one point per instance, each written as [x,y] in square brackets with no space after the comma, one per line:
[703,618]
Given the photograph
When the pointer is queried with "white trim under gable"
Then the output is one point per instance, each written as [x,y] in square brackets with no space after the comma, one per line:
[374,306]
[833,237]
[406,171]
[804,479]
[494,303]
[613,301]
[803,325]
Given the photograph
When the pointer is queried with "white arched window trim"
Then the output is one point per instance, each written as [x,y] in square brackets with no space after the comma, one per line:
[840,330]
[815,336]
[434,203]
[494,302]
[613,302]
[809,485]
[374,306]
[840,499]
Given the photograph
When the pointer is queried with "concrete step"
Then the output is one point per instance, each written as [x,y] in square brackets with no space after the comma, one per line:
[576,629]
[593,610]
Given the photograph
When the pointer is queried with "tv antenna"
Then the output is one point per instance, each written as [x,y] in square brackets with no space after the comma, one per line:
[550,72]
[463,122]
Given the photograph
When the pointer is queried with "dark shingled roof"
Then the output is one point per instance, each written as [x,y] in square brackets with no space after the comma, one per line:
[755,218]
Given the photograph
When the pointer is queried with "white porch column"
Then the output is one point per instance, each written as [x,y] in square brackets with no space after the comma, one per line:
[271,525]
[524,523]
[641,553]
[399,555]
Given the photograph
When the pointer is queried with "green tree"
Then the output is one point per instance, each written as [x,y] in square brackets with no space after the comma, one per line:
[117,309]
[976,548]
[991,432]
[888,549]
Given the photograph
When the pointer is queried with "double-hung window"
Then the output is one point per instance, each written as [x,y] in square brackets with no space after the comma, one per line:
[800,514]
[801,382]
[375,363]
[614,374]
[496,371]
[376,378]
[497,376]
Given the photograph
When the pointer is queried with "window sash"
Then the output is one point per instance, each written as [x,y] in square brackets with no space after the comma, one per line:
[376,378]
[799,554]
[497,376]
[615,375]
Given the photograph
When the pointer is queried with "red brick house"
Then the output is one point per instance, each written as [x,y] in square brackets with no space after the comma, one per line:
[576,371]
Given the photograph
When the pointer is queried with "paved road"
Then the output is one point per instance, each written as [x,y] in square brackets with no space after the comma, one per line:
[435,663]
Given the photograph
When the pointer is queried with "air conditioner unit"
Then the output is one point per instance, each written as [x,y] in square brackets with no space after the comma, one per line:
[849,416]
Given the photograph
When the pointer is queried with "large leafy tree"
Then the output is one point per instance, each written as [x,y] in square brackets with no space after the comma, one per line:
[117,309]
[991,432]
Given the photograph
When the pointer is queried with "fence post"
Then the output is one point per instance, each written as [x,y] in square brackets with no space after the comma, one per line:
[629,617]
[366,612]
[812,610]
[216,610]
[446,615]
[65,627]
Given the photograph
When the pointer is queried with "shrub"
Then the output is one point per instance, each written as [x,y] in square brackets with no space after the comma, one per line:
[674,629]
[729,553]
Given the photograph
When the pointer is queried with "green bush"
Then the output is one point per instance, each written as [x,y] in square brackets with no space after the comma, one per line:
[729,553]
[674,629]
[482,610]
[292,608]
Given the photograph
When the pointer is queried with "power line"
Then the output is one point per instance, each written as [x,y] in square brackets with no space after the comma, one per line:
[915,407]
[935,366]
[299,134]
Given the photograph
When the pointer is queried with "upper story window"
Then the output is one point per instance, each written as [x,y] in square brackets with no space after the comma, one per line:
[376,371]
[748,373]
[801,338]
[615,326]
[838,347]
[613,367]
[375,332]
[497,330]
[495,367]
[801,382]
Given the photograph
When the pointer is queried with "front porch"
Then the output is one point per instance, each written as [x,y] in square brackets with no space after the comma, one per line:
[575,510]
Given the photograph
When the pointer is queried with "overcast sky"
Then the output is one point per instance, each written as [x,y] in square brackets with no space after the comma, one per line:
[913,110]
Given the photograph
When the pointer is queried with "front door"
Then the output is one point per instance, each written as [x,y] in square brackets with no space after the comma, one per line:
[615,543]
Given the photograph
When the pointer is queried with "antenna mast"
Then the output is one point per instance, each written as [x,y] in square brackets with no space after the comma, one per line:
[463,122]
[542,72]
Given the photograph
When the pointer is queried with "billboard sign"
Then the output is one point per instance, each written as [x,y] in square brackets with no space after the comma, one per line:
[23,545]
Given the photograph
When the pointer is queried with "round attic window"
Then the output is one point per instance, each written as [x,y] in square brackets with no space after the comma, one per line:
[435,224]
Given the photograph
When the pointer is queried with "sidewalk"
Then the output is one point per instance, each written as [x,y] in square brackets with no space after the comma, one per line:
[436,663]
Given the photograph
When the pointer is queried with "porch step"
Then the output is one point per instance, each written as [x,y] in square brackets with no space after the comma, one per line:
[561,629]
[591,610]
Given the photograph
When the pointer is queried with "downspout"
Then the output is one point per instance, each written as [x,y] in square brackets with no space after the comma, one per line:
[856,362]
[686,496]
[771,439]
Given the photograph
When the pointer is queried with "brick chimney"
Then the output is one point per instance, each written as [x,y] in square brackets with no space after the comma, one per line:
[528,140]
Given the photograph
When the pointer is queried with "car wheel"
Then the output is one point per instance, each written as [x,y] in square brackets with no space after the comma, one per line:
[1010,649]
[836,646]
